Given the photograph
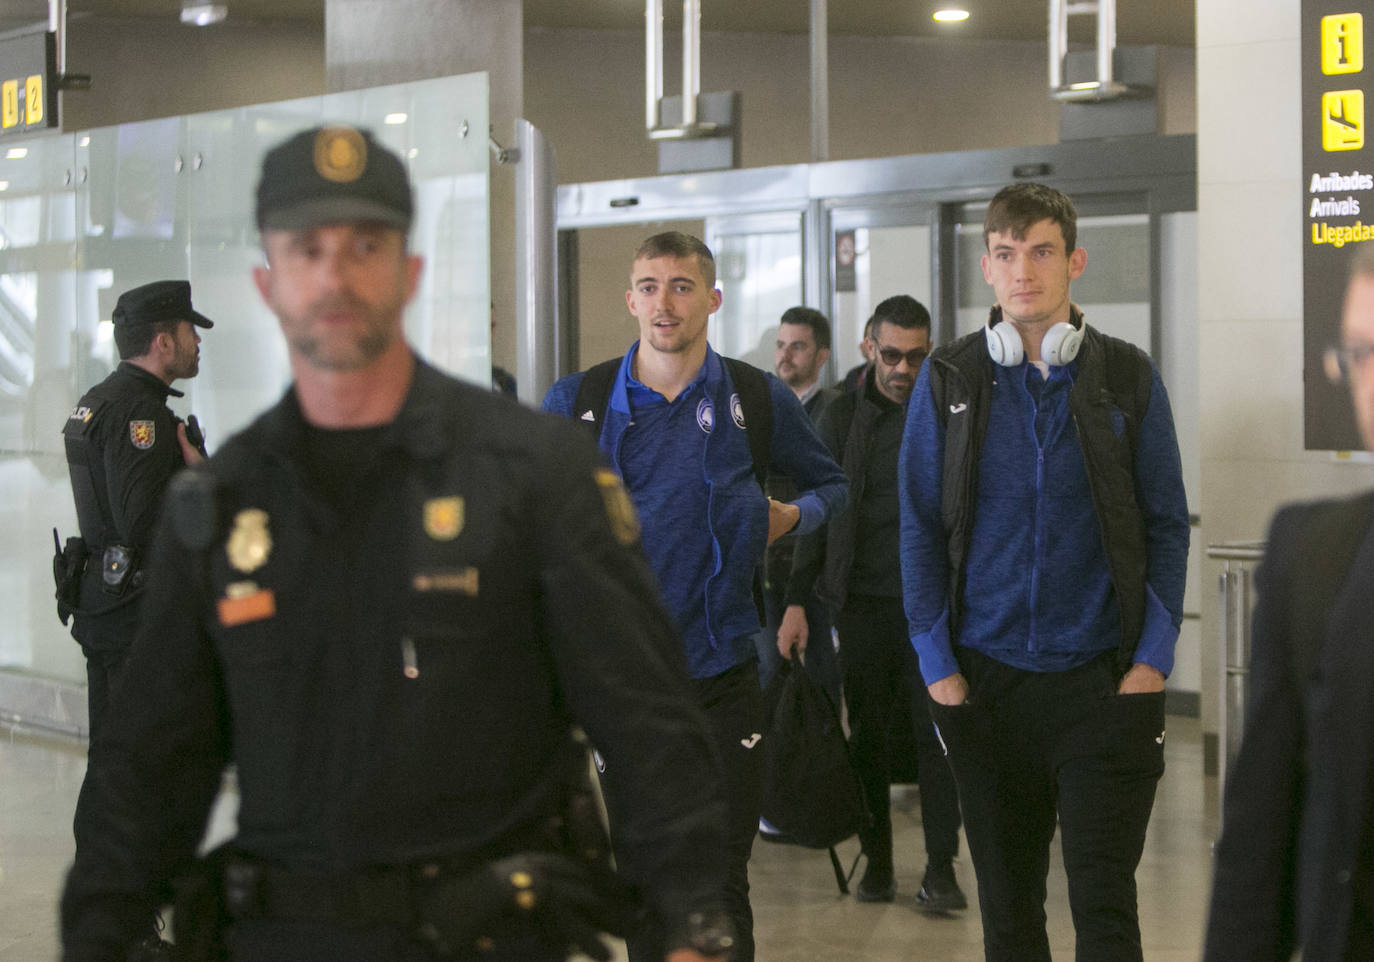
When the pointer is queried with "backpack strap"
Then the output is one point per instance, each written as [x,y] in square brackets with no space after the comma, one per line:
[594,393]
[757,402]
[1129,378]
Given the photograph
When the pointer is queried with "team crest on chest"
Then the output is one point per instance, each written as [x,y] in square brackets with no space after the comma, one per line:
[443,517]
[142,434]
[706,415]
[737,411]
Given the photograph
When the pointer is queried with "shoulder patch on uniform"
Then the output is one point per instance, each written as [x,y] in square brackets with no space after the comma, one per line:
[620,510]
[142,434]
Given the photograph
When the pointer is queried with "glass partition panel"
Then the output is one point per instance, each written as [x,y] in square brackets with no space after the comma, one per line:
[759,273]
[876,254]
[37,286]
[84,217]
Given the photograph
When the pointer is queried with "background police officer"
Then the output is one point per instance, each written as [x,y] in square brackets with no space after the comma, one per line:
[388,601]
[123,446]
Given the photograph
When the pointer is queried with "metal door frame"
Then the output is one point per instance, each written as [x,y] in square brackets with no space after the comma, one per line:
[1159,170]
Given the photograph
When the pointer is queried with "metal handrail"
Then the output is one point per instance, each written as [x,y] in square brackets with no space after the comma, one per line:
[1234,590]
[1236,550]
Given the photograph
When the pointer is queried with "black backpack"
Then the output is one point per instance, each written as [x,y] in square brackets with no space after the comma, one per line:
[811,793]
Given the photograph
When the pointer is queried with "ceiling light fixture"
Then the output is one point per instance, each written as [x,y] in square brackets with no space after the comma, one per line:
[16,153]
[949,16]
[202,14]
[395,119]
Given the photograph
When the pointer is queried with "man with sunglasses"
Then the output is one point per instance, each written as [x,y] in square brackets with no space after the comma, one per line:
[853,565]
[1293,869]
[1044,552]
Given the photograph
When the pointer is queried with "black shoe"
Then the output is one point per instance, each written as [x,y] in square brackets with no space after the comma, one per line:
[877,885]
[939,891]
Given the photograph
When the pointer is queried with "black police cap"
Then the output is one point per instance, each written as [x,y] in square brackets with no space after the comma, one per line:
[158,301]
[332,175]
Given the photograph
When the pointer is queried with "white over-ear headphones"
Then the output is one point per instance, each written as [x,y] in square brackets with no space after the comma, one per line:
[1059,347]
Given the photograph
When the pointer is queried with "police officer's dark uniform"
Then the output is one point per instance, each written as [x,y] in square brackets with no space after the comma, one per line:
[391,632]
[122,451]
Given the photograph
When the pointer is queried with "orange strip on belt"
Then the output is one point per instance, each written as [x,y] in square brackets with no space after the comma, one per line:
[254,607]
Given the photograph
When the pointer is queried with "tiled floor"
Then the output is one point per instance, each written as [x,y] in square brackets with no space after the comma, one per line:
[800,915]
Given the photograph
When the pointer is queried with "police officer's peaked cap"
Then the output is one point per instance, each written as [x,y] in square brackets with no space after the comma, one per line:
[332,175]
[158,301]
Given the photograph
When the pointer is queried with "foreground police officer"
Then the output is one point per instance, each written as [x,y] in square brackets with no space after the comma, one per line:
[387,601]
[123,446]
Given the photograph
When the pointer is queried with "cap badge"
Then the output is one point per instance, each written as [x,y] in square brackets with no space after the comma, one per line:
[444,518]
[340,154]
[250,542]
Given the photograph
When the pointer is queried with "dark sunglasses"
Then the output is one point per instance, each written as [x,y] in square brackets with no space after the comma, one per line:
[892,357]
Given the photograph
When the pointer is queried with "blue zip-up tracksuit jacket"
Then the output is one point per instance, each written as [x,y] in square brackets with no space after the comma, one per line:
[1038,595]
[737,514]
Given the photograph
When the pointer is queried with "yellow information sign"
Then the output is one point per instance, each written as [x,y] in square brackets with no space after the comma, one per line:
[33,100]
[1343,120]
[1342,43]
[9,104]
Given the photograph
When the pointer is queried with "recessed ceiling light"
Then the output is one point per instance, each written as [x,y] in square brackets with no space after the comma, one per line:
[413,152]
[4,185]
[949,16]
[16,153]
[202,14]
[395,119]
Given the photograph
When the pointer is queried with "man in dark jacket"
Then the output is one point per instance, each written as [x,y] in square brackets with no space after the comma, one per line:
[123,446]
[391,602]
[1044,551]
[803,347]
[853,565]
[1294,870]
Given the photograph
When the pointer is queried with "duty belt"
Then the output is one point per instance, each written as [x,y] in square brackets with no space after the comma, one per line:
[380,896]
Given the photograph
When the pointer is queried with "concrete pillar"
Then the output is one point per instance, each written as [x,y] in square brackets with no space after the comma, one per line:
[369,43]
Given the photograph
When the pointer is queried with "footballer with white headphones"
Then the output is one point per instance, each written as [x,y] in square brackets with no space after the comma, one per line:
[1044,546]
[1030,275]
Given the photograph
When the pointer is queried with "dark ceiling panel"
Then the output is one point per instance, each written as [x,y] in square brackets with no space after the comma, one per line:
[1139,21]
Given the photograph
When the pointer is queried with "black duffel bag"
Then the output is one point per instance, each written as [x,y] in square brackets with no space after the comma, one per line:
[811,793]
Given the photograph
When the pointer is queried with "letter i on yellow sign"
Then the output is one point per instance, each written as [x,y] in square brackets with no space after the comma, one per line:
[1342,43]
